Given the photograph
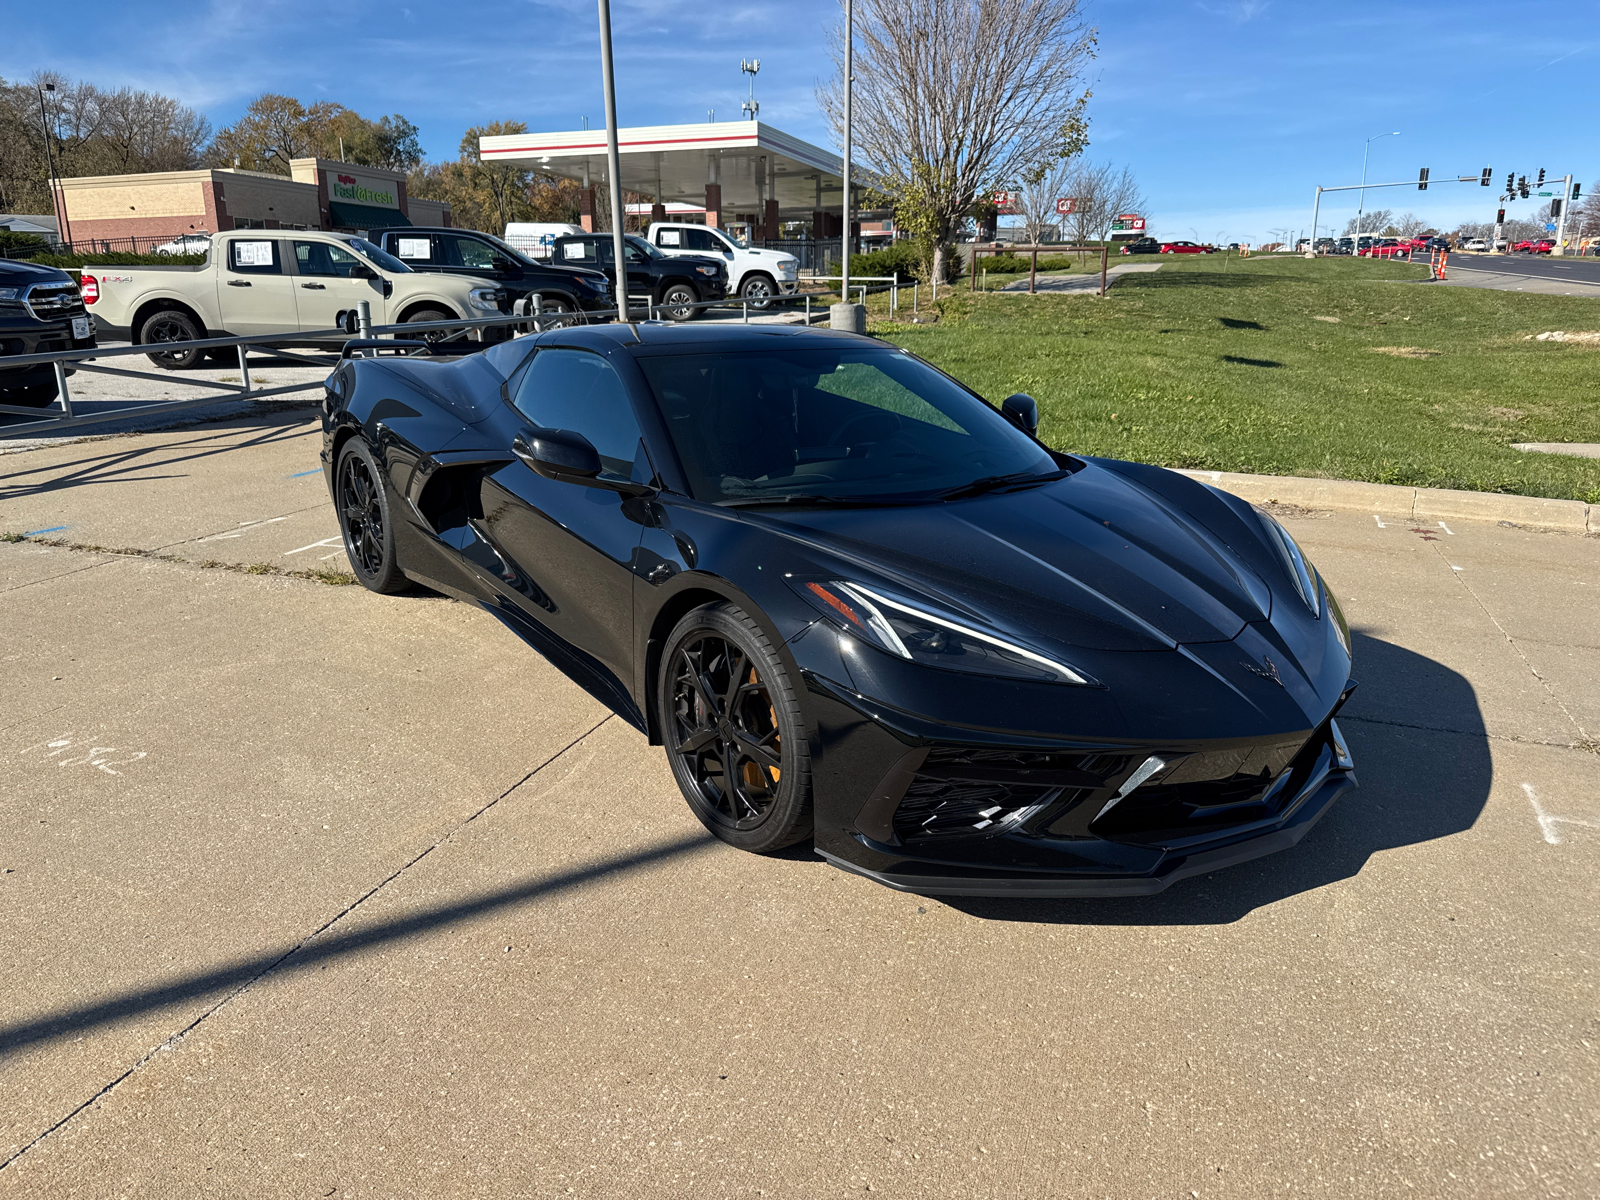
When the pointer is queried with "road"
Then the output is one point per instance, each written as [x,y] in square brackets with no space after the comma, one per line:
[310,892]
[1525,273]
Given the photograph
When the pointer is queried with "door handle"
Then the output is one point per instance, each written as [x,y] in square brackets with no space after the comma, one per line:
[238,283]
[321,287]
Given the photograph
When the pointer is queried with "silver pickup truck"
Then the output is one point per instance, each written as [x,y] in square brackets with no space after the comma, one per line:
[271,281]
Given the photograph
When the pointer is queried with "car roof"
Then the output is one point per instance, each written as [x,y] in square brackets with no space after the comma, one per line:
[660,337]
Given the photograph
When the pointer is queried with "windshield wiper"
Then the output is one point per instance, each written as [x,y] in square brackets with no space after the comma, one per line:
[990,483]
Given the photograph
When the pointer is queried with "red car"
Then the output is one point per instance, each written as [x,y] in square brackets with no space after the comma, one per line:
[1537,246]
[1389,248]
[1186,248]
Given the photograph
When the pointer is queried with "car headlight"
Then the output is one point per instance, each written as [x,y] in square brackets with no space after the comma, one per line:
[933,641]
[1294,562]
[601,285]
[10,293]
[709,270]
[484,298]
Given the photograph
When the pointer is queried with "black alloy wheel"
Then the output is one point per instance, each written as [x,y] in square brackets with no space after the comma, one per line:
[678,302]
[434,337]
[557,308]
[364,520]
[170,325]
[733,731]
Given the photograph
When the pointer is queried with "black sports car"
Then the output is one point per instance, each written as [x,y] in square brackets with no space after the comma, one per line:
[855,602]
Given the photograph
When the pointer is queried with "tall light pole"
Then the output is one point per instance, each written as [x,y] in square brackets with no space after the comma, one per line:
[613,160]
[58,195]
[1355,247]
[844,314]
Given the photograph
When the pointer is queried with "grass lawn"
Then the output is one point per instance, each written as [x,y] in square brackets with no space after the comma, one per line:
[1329,368]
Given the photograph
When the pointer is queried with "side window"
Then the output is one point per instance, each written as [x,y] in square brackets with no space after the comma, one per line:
[580,253]
[255,257]
[576,390]
[466,252]
[671,238]
[633,253]
[703,241]
[323,258]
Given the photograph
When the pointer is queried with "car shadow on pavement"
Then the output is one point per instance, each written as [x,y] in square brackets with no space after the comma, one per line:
[1424,775]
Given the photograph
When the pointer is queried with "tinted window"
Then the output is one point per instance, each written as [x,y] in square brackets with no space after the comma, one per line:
[322,258]
[576,390]
[465,252]
[583,254]
[251,257]
[379,257]
[830,422]
[704,240]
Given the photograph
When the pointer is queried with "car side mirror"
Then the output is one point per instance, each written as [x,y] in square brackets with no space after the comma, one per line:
[362,271]
[568,457]
[1022,410]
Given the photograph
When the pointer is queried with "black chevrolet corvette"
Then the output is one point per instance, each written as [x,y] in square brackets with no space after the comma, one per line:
[857,603]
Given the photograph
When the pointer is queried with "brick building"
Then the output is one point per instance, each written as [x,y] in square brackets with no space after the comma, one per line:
[320,194]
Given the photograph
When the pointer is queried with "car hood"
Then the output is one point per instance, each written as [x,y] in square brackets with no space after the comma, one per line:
[1093,560]
[13,271]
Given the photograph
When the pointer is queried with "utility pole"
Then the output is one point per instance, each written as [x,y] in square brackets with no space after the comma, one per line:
[1355,246]
[58,196]
[1561,221]
[614,161]
[845,315]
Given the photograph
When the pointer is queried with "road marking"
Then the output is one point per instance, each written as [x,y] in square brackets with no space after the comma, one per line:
[1447,529]
[244,528]
[335,554]
[328,541]
[1455,568]
[52,529]
[60,745]
[303,474]
[1548,821]
[1381,525]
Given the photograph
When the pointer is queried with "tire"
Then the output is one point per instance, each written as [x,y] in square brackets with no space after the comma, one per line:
[171,325]
[364,521]
[40,395]
[434,337]
[720,664]
[758,290]
[560,306]
[675,299]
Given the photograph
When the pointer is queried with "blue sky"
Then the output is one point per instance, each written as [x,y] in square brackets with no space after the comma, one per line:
[1228,111]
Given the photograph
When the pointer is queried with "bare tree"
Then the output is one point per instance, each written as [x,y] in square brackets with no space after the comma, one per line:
[955,97]
[1040,191]
[1101,193]
[1409,225]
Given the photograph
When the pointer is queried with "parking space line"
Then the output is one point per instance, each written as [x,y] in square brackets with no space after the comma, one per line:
[244,528]
[1447,529]
[336,540]
[303,474]
[52,529]
[1379,519]
[1547,821]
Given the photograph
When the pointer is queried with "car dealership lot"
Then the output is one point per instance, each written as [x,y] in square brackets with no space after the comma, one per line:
[311,891]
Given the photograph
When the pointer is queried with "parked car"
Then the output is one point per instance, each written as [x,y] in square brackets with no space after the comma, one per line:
[1186,248]
[1389,248]
[534,238]
[188,243]
[859,607]
[269,281]
[1542,245]
[480,256]
[672,282]
[1144,245]
[1435,243]
[41,311]
[1474,244]
[754,275]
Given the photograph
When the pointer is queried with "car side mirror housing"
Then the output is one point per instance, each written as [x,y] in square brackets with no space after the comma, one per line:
[362,271]
[1022,410]
[568,457]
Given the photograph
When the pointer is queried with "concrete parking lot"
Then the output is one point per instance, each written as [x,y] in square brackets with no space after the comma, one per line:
[311,892]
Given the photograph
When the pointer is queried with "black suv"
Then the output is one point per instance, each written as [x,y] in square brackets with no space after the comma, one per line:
[673,282]
[41,310]
[561,289]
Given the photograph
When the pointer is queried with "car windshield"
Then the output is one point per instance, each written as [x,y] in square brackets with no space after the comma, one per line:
[510,252]
[644,247]
[785,426]
[738,241]
[379,258]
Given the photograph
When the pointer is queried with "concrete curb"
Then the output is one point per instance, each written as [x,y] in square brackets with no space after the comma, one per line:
[1572,516]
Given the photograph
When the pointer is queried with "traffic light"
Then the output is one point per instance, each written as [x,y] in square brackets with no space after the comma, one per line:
[1422,180]
[1500,217]
[1575,189]
[1522,187]
[1484,182]
[1511,183]
[1540,182]
[1555,209]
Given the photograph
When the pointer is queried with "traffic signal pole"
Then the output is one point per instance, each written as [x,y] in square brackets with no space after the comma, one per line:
[1420,184]
[1561,221]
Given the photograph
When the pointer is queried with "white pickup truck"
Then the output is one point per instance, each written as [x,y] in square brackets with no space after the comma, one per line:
[271,281]
[753,274]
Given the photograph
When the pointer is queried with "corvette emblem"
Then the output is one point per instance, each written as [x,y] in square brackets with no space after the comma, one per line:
[1269,671]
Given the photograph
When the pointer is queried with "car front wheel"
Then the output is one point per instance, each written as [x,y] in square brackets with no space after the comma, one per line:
[364,520]
[557,313]
[758,290]
[733,730]
[678,302]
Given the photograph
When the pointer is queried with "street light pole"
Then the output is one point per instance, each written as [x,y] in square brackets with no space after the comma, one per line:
[1355,247]
[614,161]
[849,70]
[58,196]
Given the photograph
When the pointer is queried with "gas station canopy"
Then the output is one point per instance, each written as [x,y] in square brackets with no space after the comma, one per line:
[748,163]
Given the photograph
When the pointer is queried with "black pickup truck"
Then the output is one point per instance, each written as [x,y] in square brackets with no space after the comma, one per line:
[673,282]
[41,310]
[561,289]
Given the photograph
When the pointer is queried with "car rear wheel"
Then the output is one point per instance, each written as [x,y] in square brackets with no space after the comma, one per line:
[434,337]
[170,325]
[734,733]
[678,301]
[364,520]
[557,308]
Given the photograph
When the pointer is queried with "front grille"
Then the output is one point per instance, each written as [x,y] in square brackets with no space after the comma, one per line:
[55,301]
[963,791]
